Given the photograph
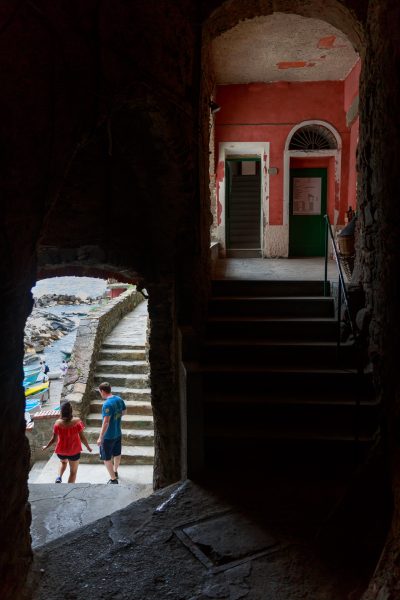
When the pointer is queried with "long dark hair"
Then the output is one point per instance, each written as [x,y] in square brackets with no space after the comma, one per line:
[66,411]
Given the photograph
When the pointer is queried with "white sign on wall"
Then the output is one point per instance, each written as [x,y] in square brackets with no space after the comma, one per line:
[307,195]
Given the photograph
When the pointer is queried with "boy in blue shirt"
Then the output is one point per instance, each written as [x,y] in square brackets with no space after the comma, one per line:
[109,441]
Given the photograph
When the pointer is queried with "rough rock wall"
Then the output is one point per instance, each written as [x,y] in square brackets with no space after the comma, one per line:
[379,234]
[100,160]
[15,518]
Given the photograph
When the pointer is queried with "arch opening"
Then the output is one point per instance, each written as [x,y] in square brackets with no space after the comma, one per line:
[272,73]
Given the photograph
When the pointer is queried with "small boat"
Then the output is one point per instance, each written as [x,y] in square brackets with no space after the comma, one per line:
[31,358]
[31,376]
[36,394]
[32,367]
[31,405]
[66,352]
[54,375]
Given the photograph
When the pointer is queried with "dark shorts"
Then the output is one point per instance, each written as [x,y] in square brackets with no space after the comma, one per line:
[73,457]
[110,448]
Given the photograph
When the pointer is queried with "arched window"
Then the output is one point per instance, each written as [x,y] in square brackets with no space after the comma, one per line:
[313,137]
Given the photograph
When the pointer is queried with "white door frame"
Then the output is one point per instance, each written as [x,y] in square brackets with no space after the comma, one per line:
[337,154]
[244,149]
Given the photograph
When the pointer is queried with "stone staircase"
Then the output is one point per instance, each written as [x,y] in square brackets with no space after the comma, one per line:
[125,367]
[244,216]
[276,392]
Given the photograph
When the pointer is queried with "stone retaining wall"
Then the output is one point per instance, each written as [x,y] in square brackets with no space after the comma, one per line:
[39,432]
[92,331]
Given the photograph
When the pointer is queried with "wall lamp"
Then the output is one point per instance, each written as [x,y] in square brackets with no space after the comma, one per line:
[214,107]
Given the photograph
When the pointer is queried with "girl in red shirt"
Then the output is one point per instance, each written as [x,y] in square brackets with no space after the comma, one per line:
[68,430]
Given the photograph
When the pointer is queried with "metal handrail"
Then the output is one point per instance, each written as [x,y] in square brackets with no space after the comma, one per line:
[342,288]
[342,285]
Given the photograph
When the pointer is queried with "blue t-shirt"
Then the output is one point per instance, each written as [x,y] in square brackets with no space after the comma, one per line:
[113,407]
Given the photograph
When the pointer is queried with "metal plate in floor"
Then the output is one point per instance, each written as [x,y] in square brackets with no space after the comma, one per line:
[225,540]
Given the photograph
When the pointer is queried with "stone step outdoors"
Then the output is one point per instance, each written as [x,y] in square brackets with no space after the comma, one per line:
[123,366]
[128,421]
[133,407]
[121,354]
[122,379]
[130,437]
[120,345]
[131,455]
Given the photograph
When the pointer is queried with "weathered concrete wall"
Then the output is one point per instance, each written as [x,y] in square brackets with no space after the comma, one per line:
[39,432]
[92,330]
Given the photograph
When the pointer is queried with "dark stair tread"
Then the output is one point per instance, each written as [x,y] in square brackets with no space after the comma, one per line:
[227,368]
[272,343]
[214,318]
[293,434]
[288,399]
[313,299]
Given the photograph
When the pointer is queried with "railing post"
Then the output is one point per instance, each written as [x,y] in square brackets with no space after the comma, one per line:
[339,307]
[326,258]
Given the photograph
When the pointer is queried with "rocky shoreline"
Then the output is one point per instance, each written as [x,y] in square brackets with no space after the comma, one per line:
[54,299]
[43,327]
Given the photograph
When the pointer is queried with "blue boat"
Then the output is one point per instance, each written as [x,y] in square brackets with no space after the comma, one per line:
[31,404]
[31,376]
[36,395]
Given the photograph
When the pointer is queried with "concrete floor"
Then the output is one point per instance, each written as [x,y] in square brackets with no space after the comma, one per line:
[260,540]
[60,509]
[274,268]
[46,472]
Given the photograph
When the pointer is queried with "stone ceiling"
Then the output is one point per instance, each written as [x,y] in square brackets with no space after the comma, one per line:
[282,47]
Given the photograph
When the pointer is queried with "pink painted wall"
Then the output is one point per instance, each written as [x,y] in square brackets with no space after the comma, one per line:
[351,85]
[268,112]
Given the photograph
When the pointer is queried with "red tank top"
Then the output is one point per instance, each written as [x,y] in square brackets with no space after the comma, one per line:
[69,442]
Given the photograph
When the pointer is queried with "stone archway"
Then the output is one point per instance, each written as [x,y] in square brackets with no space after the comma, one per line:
[99,162]
[225,52]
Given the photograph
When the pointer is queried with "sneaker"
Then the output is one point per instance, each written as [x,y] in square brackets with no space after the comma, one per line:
[113,481]
[116,474]
[58,480]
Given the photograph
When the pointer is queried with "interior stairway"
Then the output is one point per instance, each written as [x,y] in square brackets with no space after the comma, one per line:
[244,216]
[275,391]
[126,368]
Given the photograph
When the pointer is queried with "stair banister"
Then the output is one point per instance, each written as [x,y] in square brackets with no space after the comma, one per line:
[342,285]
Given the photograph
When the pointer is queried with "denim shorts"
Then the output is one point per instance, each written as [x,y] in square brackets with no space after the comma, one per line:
[73,457]
[110,448]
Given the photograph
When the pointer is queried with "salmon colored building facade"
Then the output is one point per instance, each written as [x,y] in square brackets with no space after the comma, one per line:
[299,134]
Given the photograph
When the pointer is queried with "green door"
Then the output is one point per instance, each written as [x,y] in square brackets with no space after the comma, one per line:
[307,207]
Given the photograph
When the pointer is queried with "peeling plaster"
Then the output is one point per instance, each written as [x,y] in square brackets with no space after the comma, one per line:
[282,47]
